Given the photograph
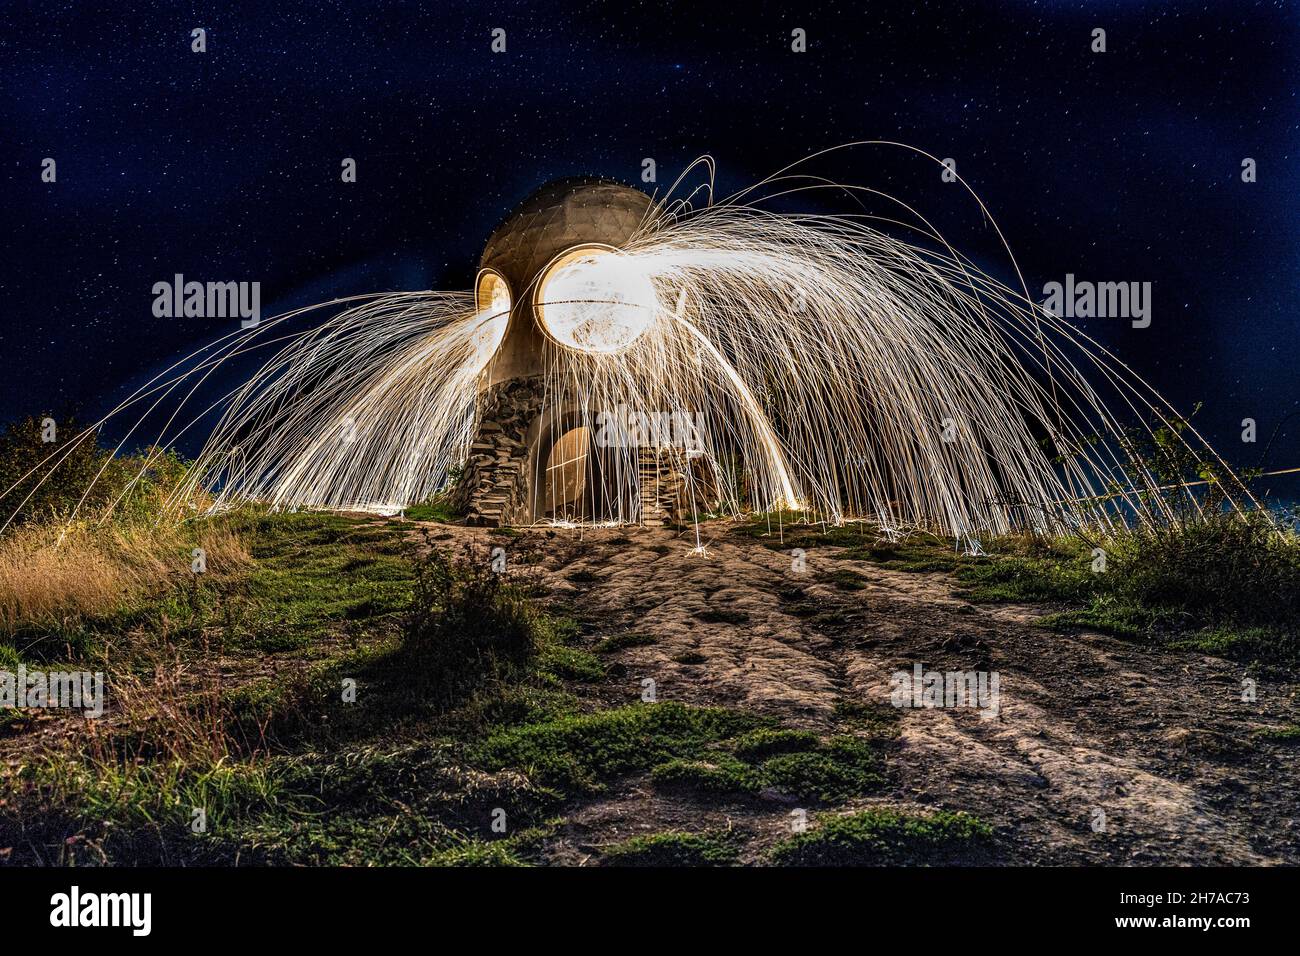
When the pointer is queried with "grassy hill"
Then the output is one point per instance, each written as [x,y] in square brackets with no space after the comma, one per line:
[356,690]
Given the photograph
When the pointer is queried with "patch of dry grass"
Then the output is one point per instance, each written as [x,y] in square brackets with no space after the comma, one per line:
[52,574]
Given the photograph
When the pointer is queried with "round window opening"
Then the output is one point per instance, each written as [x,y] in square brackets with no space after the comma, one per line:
[596,300]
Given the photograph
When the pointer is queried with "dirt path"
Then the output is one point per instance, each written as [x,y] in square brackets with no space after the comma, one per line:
[1159,742]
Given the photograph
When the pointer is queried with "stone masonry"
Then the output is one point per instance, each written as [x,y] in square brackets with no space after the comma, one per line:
[494,487]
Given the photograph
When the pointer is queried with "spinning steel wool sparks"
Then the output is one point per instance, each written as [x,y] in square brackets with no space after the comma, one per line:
[630,360]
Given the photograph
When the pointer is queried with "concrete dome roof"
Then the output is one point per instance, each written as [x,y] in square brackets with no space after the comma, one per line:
[562,214]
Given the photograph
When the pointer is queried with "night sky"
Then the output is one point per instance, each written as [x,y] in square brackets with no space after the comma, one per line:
[1122,166]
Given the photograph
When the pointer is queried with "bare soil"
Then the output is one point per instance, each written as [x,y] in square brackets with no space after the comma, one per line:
[1160,742]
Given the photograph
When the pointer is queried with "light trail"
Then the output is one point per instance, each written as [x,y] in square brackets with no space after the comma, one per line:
[826,365]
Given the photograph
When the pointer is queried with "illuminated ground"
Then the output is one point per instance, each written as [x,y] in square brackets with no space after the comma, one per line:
[772,689]
[1158,739]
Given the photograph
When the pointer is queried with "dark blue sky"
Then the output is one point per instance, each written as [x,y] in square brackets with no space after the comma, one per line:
[1123,166]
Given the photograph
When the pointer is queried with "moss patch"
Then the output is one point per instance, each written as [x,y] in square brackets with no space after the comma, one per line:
[883,836]
[618,642]
[438,509]
[710,848]
[843,768]
[583,753]
[719,774]
[758,745]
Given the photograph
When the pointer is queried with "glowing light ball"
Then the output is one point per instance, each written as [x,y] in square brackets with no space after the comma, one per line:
[596,300]
[492,299]
[492,294]
[560,218]
[824,364]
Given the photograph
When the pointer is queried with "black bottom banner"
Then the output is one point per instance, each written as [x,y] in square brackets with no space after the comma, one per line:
[335,905]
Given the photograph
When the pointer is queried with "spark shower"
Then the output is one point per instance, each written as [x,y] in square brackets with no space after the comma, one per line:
[825,365]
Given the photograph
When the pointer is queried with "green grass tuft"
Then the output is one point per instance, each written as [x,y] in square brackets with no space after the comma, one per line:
[873,719]
[782,531]
[844,768]
[1242,644]
[847,580]
[710,848]
[883,836]
[791,762]
[758,745]
[1280,735]
[467,627]
[719,774]
[476,853]
[438,509]
[571,663]
[584,753]
[9,657]
[919,556]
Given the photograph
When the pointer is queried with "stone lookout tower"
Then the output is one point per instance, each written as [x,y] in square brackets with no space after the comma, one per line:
[527,462]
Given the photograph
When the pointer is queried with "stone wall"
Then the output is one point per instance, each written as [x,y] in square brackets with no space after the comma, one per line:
[662,485]
[494,488]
